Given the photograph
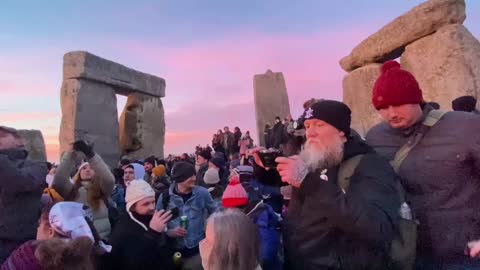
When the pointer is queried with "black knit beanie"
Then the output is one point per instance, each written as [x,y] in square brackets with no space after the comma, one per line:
[181,171]
[332,112]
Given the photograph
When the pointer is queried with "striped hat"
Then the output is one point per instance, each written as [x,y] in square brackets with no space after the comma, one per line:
[234,195]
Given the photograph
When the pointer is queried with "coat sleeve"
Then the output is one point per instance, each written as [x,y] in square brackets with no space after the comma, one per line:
[61,181]
[28,178]
[105,176]
[369,209]
[210,204]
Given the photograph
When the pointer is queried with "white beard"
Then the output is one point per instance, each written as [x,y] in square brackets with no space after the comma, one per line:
[321,155]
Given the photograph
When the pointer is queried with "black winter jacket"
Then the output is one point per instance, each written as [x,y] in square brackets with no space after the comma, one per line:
[328,229]
[133,247]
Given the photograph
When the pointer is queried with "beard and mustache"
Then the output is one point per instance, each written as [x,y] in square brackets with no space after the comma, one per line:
[322,154]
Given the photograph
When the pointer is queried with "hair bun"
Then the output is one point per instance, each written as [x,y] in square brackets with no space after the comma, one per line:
[390,65]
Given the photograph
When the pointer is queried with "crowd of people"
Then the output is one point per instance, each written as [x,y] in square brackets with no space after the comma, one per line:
[403,197]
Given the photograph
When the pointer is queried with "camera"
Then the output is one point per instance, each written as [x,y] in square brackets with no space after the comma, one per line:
[268,157]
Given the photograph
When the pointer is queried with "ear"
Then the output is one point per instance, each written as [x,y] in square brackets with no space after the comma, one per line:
[51,232]
[342,135]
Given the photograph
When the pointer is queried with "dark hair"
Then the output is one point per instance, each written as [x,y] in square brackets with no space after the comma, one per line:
[464,104]
[151,160]
[161,162]
[205,153]
[118,174]
[49,166]
[130,166]
[56,254]
[124,162]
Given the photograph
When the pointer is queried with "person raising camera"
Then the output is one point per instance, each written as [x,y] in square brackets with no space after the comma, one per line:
[92,184]
[327,227]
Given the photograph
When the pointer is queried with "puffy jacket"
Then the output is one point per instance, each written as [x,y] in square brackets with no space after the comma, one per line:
[441,177]
[21,185]
[62,184]
[268,227]
[326,228]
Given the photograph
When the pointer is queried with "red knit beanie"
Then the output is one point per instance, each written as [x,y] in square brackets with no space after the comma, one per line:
[234,195]
[395,87]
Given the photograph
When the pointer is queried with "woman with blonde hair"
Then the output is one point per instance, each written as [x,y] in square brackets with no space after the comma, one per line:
[231,242]
[92,184]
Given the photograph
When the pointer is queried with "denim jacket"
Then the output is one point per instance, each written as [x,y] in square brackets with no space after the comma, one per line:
[197,209]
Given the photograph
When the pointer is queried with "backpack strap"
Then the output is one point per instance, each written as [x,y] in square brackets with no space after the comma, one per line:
[346,171]
[432,118]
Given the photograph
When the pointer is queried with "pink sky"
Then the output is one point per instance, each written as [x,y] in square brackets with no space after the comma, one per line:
[208,65]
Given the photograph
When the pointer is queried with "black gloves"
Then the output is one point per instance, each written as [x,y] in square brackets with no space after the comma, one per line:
[84,147]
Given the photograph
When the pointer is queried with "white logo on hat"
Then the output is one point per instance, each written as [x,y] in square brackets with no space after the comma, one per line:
[309,113]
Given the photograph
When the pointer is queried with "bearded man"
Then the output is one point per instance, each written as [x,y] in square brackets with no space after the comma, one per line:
[327,227]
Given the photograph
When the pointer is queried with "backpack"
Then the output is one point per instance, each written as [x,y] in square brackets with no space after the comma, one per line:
[404,244]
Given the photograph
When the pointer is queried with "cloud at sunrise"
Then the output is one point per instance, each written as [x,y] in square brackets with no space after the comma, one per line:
[207,52]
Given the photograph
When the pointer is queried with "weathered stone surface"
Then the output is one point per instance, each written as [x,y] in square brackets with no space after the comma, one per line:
[85,65]
[357,94]
[445,64]
[271,100]
[389,42]
[34,144]
[89,111]
[142,127]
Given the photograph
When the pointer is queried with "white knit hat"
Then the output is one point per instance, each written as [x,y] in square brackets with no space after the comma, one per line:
[211,177]
[136,191]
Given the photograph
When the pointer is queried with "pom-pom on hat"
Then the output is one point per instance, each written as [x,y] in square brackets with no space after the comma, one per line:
[395,87]
[234,195]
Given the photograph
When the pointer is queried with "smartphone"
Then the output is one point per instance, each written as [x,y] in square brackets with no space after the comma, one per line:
[175,213]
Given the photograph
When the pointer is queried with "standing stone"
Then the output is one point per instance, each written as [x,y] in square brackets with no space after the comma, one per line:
[89,112]
[142,127]
[84,65]
[389,42]
[445,64]
[357,94]
[271,100]
[34,143]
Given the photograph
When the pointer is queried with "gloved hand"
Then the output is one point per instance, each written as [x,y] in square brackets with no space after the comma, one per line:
[84,147]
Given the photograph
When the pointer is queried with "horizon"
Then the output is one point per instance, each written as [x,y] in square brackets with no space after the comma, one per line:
[207,52]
